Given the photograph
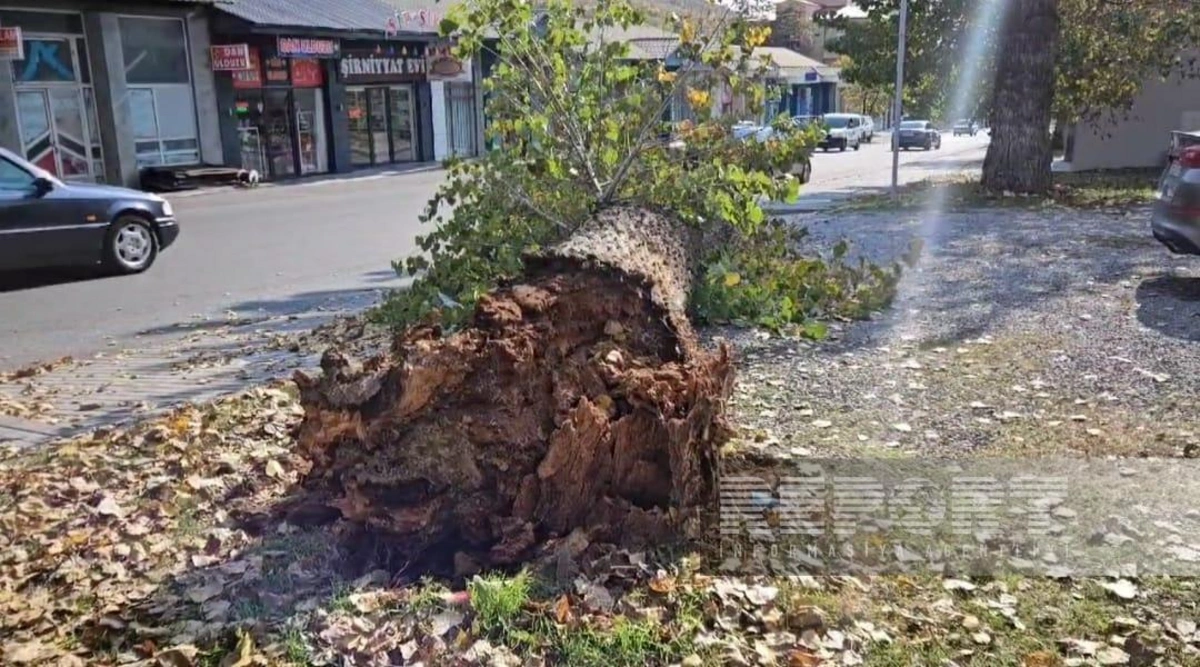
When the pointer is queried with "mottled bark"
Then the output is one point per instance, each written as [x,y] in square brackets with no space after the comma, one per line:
[1019,155]
[578,397]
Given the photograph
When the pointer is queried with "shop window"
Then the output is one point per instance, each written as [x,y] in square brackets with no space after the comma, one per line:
[161,102]
[155,50]
[164,126]
[46,60]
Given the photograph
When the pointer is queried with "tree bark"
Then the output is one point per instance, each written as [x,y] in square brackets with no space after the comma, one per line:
[578,398]
[1019,155]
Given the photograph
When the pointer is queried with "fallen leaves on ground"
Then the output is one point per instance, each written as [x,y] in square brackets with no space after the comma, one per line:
[124,548]
[101,536]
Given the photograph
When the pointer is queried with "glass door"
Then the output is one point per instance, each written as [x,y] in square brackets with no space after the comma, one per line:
[55,132]
[310,129]
[377,118]
[403,142]
[360,132]
[278,121]
[460,100]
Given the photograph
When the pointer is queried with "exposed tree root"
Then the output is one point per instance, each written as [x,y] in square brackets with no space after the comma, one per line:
[578,398]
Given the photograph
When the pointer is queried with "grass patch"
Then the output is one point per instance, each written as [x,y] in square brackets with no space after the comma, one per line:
[498,601]
[625,643]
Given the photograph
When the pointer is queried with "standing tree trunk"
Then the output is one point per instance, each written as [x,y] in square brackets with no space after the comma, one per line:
[1019,155]
[578,398]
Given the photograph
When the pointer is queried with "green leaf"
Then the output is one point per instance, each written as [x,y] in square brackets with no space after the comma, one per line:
[815,330]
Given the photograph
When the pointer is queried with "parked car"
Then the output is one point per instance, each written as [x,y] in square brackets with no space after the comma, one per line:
[967,127]
[46,222]
[1175,217]
[842,131]
[918,134]
[747,131]
[868,125]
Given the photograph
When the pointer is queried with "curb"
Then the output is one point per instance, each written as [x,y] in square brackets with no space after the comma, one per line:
[323,179]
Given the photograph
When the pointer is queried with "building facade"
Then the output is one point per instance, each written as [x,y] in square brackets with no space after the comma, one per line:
[98,90]
[1140,137]
[304,93]
[808,87]
[94,91]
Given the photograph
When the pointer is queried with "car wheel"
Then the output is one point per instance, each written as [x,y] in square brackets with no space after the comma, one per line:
[857,145]
[842,148]
[130,245]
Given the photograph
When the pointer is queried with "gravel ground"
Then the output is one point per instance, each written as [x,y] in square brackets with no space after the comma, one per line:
[1019,332]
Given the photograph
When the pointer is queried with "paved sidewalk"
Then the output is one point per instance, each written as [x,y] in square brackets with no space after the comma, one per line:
[195,362]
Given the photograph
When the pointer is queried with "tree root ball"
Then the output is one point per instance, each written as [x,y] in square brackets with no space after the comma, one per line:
[578,398]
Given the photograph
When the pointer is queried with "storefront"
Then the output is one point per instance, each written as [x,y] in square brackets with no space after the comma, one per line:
[457,103]
[97,95]
[383,82]
[280,103]
[55,104]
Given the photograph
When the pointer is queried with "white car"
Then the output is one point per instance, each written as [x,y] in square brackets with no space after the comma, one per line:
[842,131]
[868,124]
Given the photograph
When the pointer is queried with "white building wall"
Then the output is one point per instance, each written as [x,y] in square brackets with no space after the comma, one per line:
[1140,140]
[441,140]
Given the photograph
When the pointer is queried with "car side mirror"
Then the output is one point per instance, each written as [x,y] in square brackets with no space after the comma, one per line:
[42,185]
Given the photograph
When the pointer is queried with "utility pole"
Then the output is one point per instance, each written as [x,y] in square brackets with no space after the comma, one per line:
[898,103]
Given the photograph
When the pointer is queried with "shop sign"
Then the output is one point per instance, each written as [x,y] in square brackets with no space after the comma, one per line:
[422,20]
[406,63]
[277,71]
[229,57]
[443,66]
[251,77]
[308,47]
[11,45]
[307,73]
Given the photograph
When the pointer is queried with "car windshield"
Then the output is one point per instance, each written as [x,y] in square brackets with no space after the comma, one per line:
[836,121]
[912,125]
[963,122]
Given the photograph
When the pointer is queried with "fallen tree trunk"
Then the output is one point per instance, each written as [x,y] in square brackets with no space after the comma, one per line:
[578,397]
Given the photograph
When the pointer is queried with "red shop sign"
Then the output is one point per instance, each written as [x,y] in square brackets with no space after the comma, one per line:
[307,73]
[250,77]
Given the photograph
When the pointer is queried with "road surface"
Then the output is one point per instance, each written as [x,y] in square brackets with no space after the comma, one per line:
[295,249]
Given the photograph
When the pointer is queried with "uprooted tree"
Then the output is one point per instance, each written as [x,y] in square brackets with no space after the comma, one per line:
[547,377]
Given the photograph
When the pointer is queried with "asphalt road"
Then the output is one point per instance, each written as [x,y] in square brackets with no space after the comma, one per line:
[839,174]
[293,249]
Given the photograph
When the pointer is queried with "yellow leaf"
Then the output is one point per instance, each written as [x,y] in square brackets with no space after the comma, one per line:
[562,610]
[243,654]
[732,279]
[687,32]
[758,36]
[665,77]
[662,583]
[697,98]
[1041,659]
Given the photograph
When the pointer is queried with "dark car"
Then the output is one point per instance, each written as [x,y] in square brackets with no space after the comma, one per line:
[46,222]
[918,134]
[1175,220]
